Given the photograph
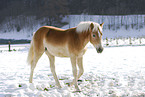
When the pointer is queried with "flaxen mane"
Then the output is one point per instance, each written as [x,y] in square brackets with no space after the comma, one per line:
[85,26]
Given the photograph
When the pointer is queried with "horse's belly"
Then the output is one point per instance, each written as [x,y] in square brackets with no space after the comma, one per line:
[58,51]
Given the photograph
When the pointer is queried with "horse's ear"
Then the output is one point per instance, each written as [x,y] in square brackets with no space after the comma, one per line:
[102,24]
[91,26]
[100,31]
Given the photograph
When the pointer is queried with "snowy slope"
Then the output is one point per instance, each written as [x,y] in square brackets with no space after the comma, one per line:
[114,26]
[118,71]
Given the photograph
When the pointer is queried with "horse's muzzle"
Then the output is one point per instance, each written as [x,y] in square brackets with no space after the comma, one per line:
[100,50]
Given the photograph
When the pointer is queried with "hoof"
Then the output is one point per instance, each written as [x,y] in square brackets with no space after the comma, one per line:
[30,81]
[68,84]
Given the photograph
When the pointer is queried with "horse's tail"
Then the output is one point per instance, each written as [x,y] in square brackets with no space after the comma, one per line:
[30,54]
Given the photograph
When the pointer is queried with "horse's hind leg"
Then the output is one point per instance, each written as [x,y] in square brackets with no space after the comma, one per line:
[52,67]
[33,65]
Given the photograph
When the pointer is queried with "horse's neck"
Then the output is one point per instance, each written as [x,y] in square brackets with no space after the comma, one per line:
[85,38]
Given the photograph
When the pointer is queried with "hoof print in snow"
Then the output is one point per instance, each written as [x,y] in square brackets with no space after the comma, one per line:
[48,75]
[80,80]
[61,79]
[111,91]
[78,91]
[79,83]
[51,86]
[45,89]
[20,85]
[87,80]
[68,84]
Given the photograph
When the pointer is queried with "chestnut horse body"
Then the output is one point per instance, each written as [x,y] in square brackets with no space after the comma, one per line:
[65,43]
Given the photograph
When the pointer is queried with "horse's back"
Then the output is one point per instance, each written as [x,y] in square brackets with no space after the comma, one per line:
[49,33]
[54,28]
[56,36]
[58,42]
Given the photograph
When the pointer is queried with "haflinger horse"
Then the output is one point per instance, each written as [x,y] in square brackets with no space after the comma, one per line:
[65,43]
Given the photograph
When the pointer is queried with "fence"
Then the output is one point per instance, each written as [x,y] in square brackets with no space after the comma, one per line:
[107,42]
[124,42]
[14,47]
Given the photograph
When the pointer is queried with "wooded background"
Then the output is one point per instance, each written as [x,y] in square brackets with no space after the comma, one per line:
[54,10]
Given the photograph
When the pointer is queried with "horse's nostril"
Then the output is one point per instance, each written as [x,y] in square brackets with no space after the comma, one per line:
[99,50]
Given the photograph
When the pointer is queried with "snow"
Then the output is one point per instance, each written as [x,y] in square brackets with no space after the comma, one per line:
[118,71]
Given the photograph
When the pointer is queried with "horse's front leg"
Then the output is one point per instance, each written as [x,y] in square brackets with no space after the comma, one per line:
[75,73]
[80,65]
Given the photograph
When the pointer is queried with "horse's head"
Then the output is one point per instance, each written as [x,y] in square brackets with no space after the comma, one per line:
[96,36]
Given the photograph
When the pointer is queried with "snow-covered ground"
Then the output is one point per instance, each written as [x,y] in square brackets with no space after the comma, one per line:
[118,71]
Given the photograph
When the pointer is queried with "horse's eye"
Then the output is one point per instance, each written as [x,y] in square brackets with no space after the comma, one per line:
[94,35]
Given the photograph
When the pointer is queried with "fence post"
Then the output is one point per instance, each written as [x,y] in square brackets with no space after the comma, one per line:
[107,41]
[116,41]
[9,46]
[140,40]
[130,41]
